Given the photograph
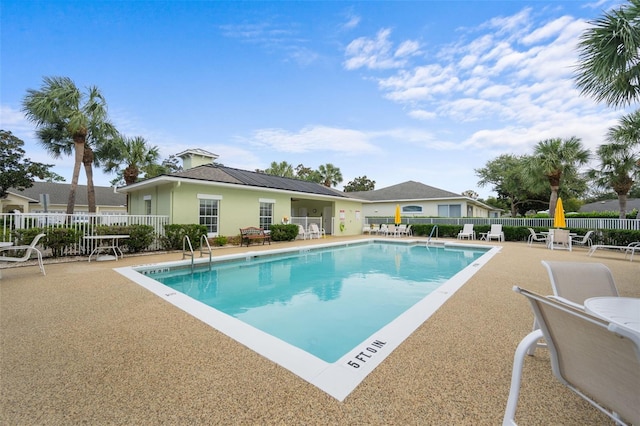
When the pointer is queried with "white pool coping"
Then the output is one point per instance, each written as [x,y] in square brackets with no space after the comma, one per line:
[339,378]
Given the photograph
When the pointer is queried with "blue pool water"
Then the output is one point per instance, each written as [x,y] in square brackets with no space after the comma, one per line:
[323,301]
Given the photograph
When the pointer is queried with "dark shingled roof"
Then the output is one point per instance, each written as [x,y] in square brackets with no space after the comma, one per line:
[409,190]
[610,206]
[59,194]
[217,173]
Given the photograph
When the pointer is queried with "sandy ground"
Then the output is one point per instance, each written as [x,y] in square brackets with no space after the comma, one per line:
[85,345]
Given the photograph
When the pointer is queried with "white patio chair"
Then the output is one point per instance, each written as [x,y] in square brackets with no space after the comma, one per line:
[584,240]
[467,232]
[495,232]
[599,361]
[27,254]
[314,229]
[574,282]
[302,232]
[536,237]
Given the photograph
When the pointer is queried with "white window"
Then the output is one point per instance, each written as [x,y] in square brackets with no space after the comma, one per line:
[449,210]
[413,209]
[266,214]
[209,215]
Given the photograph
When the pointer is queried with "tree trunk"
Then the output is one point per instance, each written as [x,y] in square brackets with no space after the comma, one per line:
[78,142]
[87,159]
[622,200]
[553,200]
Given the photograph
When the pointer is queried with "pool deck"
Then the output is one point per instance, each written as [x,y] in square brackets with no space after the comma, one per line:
[83,344]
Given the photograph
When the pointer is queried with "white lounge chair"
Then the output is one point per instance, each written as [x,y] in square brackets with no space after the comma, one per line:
[467,232]
[401,230]
[574,282]
[629,249]
[27,254]
[559,239]
[584,240]
[495,232]
[391,230]
[302,232]
[598,361]
[314,229]
[536,237]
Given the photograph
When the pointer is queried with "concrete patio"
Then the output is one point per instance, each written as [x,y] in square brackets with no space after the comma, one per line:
[85,345]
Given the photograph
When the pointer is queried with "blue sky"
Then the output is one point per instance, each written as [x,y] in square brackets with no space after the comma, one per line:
[395,91]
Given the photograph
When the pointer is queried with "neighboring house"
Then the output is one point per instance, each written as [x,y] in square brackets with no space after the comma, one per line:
[227,199]
[610,206]
[418,199]
[56,195]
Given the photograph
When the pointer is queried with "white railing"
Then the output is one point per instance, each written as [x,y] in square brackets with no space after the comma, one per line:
[84,223]
[574,223]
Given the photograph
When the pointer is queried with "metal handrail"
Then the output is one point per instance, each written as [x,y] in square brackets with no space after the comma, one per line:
[434,229]
[206,240]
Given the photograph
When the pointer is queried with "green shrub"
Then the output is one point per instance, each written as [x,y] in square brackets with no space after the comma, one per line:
[60,239]
[283,232]
[219,241]
[174,234]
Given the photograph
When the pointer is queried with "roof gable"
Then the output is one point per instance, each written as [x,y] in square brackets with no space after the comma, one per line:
[217,173]
[59,194]
[409,190]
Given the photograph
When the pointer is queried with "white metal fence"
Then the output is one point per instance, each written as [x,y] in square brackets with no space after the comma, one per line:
[82,222]
[573,223]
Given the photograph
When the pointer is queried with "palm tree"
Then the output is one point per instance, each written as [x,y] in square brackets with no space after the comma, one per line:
[619,162]
[134,153]
[283,169]
[555,160]
[330,175]
[67,122]
[609,58]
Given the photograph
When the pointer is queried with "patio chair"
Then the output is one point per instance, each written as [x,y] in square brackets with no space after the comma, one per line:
[391,230]
[559,239]
[599,361]
[314,229]
[536,237]
[302,232]
[401,230]
[495,232]
[574,282]
[27,254]
[467,232]
[584,240]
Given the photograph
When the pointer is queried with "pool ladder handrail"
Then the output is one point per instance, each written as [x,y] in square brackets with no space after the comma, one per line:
[434,229]
[187,241]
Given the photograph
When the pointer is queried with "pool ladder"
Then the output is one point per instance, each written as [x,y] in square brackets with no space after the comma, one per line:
[186,242]
[434,229]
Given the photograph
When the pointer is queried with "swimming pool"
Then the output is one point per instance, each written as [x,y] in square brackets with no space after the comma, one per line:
[330,313]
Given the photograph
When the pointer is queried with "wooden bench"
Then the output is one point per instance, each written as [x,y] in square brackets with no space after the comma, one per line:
[252,233]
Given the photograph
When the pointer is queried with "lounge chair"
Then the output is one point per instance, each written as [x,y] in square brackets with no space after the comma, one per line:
[314,229]
[467,232]
[599,361]
[384,229]
[391,230]
[574,282]
[401,230]
[495,232]
[559,239]
[27,254]
[536,237]
[302,232]
[631,248]
[584,240]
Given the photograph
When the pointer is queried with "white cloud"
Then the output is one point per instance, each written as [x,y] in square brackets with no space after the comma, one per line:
[377,53]
[315,138]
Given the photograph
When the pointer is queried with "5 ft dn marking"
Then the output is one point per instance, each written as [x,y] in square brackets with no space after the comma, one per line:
[366,354]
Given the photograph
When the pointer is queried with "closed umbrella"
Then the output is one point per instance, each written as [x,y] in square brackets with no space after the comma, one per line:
[397,218]
[558,217]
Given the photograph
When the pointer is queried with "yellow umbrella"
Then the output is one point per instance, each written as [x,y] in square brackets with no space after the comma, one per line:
[397,218]
[558,217]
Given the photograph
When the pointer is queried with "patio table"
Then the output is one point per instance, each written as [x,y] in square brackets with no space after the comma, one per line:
[107,243]
[624,311]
